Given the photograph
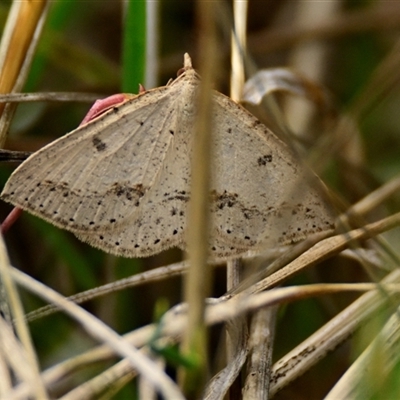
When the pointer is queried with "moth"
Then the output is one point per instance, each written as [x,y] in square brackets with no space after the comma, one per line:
[121,182]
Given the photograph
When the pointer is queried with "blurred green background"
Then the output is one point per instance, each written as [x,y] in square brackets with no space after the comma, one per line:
[86,47]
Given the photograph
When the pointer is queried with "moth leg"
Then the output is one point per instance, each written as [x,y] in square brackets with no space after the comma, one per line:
[10,219]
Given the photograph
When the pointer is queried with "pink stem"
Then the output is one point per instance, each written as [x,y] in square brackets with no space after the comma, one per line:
[10,220]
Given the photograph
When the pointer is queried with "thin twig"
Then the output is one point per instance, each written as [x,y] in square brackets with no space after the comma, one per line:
[50,96]
[146,277]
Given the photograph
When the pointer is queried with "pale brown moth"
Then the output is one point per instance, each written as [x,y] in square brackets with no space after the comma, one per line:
[122,181]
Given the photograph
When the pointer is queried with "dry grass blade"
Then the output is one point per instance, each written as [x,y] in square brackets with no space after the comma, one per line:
[146,277]
[238,43]
[9,155]
[368,373]
[115,376]
[239,305]
[19,362]
[236,330]
[14,356]
[50,96]
[328,337]
[58,372]
[374,199]
[175,320]
[284,259]
[326,248]
[226,309]
[261,343]
[18,44]
[220,383]
[152,45]
[236,342]
[5,377]
[21,328]
[145,389]
[268,81]
[101,331]
[198,280]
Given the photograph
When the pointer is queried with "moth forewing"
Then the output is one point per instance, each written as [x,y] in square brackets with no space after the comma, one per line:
[122,181]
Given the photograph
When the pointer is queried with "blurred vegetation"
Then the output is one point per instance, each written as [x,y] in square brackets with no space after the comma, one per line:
[82,50]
